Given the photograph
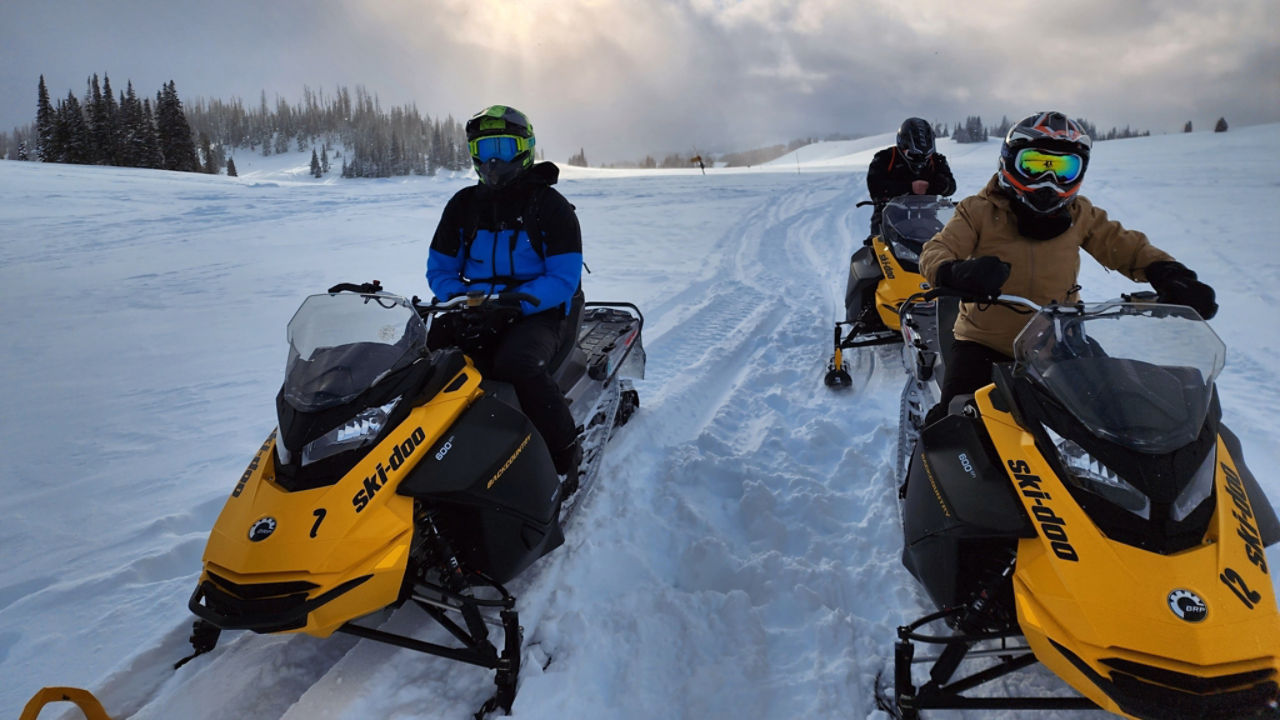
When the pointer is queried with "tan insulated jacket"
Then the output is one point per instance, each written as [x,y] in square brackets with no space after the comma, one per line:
[1040,270]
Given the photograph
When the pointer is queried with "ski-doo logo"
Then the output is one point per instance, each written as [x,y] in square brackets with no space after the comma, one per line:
[378,479]
[1053,527]
[1243,513]
[262,529]
[1188,606]
[886,265]
[253,465]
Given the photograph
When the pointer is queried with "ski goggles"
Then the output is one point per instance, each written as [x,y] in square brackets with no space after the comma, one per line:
[1034,162]
[501,147]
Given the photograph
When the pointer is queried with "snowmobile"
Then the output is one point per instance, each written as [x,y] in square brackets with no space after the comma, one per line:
[400,472]
[1088,511]
[883,274]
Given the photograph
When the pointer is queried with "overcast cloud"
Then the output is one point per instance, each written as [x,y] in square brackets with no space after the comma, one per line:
[626,78]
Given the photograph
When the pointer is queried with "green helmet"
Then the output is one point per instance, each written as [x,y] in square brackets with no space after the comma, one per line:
[501,142]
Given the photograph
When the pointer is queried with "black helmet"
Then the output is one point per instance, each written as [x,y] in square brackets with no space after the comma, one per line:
[1042,161]
[915,142]
[501,142]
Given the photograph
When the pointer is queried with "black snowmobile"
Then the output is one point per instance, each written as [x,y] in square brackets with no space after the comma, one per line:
[399,472]
[883,274]
[1089,511]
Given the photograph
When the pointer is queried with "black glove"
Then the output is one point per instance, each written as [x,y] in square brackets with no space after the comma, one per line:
[1177,285]
[368,288]
[982,277]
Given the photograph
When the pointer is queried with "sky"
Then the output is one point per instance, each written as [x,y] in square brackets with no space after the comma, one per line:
[621,79]
[739,555]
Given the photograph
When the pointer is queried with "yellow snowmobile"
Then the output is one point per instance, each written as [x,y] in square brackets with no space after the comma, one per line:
[883,274]
[399,472]
[1089,511]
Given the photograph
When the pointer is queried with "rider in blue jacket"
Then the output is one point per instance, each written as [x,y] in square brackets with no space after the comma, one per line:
[513,231]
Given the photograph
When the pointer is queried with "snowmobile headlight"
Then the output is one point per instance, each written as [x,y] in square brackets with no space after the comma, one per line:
[1200,487]
[356,432]
[1088,473]
[904,253]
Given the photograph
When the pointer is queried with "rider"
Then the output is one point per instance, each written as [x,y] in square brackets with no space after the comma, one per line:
[1021,234]
[912,166]
[513,231]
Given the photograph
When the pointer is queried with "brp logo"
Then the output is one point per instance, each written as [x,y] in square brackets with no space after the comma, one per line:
[1188,605]
[262,529]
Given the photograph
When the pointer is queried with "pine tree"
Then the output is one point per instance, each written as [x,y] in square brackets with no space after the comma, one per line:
[176,145]
[324,161]
[1221,126]
[46,119]
[72,133]
[112,113]
[315,164]
[231,167]
[153,156]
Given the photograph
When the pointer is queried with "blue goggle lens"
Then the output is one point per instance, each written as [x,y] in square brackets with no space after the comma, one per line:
[502,147]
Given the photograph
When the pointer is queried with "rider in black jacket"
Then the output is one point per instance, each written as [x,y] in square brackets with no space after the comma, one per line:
[910,167]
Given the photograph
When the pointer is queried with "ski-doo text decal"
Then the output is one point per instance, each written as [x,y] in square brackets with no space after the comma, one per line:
[253,465]
[885,264]
[507,464]
[1243,513]
[1053,527]
[378,479]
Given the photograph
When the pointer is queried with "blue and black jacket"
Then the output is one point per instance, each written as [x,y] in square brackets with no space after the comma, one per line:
[524,237]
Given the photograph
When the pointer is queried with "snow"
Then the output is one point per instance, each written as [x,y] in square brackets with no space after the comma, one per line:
[740,555]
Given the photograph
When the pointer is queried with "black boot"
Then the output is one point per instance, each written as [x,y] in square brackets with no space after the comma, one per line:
[567,461]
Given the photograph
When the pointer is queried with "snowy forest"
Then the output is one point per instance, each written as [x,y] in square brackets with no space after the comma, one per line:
[100,128]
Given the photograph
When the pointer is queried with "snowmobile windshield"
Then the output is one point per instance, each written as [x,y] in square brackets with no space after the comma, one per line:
[915,218]
[342,344]
[1136,374]
[909,221]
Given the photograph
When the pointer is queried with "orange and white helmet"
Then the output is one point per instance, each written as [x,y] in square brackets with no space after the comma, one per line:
[1043,159]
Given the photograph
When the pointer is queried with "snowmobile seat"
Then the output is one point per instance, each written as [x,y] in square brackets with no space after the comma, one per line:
[567,366]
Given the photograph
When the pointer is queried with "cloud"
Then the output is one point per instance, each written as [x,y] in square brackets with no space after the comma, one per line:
[623,78]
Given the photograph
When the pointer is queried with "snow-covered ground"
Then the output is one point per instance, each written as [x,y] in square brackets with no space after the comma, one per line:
[739,557]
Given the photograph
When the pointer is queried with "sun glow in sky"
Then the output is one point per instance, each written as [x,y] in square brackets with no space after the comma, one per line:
[622,79]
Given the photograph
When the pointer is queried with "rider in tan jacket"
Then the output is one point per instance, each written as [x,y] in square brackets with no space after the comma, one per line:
[1022,235]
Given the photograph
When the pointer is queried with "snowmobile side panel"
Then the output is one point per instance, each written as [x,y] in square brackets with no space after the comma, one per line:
[958,511]
[1192,632]
[494,475]
[864,271]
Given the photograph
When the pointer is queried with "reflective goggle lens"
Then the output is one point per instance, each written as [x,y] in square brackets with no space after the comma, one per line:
[1065,167]
[502,147]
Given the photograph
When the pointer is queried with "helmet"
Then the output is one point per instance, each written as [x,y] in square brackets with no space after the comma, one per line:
[915,142]
[1042,161]
[500,139]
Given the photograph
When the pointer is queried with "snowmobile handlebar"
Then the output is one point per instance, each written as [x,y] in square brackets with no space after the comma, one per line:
[476,299]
